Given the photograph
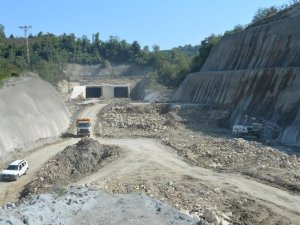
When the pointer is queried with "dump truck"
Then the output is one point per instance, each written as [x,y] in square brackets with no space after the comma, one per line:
[83,127]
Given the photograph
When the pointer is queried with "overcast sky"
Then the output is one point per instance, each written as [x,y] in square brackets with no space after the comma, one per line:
[167,23]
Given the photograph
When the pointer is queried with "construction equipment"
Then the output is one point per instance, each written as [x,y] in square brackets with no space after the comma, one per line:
[83,127]
[255,130]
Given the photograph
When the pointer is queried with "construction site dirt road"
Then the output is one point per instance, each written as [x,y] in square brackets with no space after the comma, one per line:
[150,164]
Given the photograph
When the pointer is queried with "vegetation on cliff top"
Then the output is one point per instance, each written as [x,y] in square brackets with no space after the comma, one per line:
[49,53]
[272,13]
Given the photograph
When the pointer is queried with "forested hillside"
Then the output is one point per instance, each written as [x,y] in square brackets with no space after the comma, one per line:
[49,53]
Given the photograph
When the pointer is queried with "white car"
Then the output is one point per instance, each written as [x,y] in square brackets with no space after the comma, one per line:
[14,170]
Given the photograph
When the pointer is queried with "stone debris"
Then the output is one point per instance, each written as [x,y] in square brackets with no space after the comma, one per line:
[195,135]
[70,165]
[85,205]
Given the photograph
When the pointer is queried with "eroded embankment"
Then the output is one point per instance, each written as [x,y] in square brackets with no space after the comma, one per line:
[30,109]
[256,73]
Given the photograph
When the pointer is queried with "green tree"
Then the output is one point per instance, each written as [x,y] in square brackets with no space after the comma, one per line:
[2,33]
[263,13]
[204,50]
[237,28]
[155,48]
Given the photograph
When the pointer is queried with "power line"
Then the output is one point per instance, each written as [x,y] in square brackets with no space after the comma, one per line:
[26,28]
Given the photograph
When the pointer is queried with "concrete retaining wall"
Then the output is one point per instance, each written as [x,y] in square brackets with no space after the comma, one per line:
[30,109]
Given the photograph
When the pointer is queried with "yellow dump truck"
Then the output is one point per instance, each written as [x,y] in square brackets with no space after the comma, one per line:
[83,127]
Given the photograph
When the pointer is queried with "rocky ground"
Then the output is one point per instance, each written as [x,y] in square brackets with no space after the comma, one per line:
[196,136]
[82,205]
[73,163]
[194,133]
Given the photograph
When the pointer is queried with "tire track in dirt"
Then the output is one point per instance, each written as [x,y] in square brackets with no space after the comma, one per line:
[9,191]
[149,158]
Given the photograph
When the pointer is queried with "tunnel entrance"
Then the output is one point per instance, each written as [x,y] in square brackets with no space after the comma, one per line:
[93,92]
[121,92]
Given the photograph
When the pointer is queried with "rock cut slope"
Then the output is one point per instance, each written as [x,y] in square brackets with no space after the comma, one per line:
[30,109]
[255,72]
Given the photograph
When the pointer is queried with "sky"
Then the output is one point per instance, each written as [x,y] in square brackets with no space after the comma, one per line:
[167,23]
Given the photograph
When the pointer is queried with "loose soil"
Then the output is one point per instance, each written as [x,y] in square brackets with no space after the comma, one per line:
[70,165]
[179,155]
[195,135]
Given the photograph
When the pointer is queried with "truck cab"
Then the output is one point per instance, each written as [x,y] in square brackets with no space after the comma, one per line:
[83,127]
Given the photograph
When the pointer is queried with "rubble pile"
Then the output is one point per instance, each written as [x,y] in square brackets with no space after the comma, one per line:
[264,163]
[85,205]
[196,135]
[203,202]
[136,120]
[73,163]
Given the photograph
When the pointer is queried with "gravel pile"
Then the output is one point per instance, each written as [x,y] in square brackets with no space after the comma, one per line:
[140,120]
[196,135]
[73,163]
[84,205]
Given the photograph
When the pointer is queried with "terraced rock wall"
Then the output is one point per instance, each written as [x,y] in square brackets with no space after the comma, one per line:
[255,72]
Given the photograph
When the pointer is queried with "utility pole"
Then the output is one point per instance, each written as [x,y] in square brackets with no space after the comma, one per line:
[26,28]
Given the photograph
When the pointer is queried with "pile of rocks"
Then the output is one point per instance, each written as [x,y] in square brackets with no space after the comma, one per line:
[84,205]
[70,165]
[136,120]
[195,134]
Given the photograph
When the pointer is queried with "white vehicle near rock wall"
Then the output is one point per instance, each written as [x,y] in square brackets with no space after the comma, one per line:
[14,170]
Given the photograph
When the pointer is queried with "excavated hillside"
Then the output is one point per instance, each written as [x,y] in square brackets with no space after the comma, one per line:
[256,73]
[30,109]
[77,71]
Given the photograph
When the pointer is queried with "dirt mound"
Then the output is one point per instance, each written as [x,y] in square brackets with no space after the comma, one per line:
[73,163]
[79,205]
[193,131]
[145,120]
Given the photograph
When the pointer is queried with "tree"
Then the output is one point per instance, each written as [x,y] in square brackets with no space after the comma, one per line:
[155,48]
[97,39]
[135,48]
[263,13]
[2,33]
[146,48]
[237,28]
[204,50]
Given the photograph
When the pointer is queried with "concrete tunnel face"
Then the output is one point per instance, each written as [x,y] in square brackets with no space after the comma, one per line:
[121,92]
[93,92]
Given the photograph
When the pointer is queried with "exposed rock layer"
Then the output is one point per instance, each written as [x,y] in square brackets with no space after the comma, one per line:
[30,109]
[255,72]
[77,71]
